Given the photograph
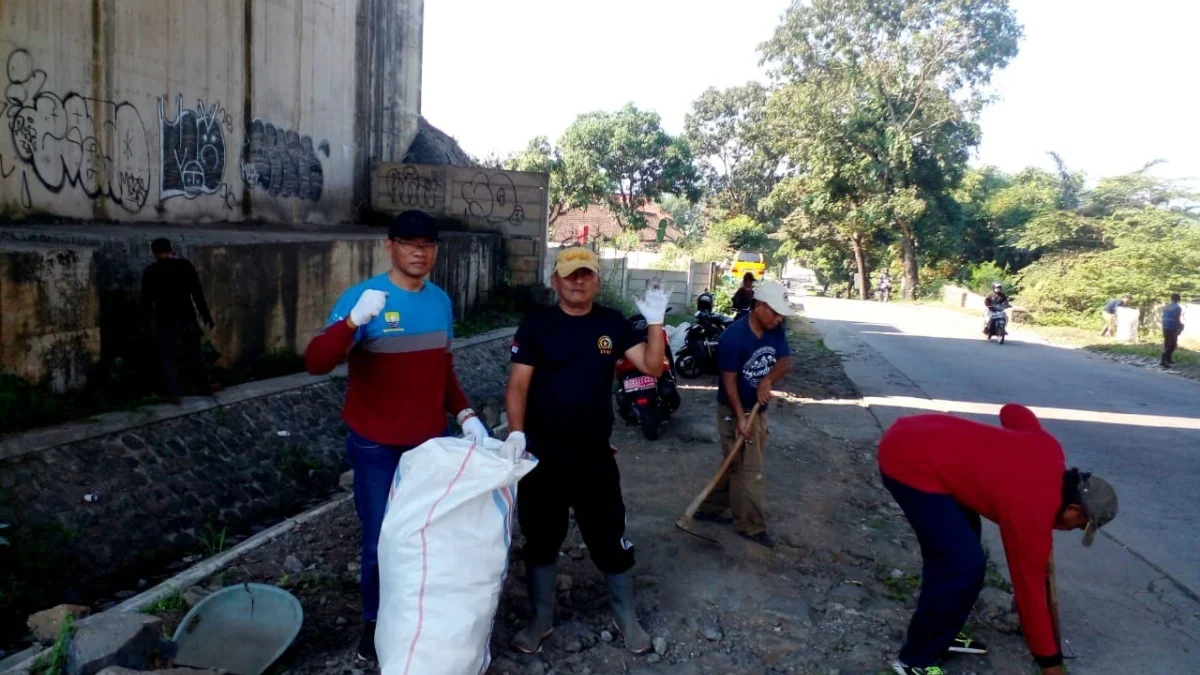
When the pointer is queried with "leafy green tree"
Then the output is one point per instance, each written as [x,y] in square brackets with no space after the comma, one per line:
[742,233]
[573,183]
[686,216]
[878,100]
[728,134]
[624,159]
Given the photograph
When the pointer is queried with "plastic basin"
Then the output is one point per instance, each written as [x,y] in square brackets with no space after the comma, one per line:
[241,629]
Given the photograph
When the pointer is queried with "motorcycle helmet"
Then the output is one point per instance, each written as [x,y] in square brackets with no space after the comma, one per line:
[704,302]
[997,286]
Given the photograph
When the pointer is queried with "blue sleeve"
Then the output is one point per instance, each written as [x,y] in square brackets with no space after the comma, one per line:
[341,309]
[727,352]
[449,316]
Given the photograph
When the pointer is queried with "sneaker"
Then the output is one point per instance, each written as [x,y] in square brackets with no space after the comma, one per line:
[964,644]
[763,538]
[366,646]
[902,669]
[710,518]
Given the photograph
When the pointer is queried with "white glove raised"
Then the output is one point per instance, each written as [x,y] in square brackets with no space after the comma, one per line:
[474,430]
[369,305]
[514,446]
[654,305]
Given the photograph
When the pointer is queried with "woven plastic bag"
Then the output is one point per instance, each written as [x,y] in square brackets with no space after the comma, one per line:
[443,555]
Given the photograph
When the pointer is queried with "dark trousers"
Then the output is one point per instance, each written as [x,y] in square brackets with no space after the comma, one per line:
[374,470]
[592,488]
[173,334]
[952,572]
[1170,342]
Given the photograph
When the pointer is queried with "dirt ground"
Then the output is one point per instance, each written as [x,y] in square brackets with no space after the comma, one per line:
[833,598]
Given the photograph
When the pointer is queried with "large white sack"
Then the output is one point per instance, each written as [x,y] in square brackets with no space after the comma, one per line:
[677,336]
[443,554]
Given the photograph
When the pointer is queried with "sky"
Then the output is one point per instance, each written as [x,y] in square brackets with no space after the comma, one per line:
[1108,84]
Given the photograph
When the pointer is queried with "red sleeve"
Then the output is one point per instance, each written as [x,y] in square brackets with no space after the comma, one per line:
[1027,546]
[456,399]
[328,348]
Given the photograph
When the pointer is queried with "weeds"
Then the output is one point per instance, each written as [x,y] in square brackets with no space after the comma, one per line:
[901,587]
[54,661]
[213,540]
[994,579]
[167,604]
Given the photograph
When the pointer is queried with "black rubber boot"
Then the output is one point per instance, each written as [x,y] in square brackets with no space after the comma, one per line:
[541,582]
[620,588]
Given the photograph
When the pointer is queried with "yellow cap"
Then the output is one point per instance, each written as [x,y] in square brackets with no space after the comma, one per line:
[575,258]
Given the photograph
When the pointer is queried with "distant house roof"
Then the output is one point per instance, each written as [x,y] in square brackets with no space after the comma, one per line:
[434,146]
[598,223]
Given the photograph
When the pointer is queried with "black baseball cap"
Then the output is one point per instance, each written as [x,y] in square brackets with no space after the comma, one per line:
[413,224]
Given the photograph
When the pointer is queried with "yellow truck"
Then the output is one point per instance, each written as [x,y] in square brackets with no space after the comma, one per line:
[748,261]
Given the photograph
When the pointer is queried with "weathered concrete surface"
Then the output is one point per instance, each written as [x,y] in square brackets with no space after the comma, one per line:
[1130,602]
[70,294]
[51,313]
[46,624]
[128,640]
[195,112]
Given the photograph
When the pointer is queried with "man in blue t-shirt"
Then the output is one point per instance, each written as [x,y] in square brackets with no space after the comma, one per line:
[1172,324]
[752,356]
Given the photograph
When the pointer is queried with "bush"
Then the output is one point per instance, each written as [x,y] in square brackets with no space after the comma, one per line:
[980,277]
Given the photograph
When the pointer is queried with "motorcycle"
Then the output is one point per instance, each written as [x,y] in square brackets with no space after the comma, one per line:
[644,400]
[699,353]
[997,325]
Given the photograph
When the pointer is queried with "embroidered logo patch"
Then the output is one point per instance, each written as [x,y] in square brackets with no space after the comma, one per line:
[605,344]
[392,319]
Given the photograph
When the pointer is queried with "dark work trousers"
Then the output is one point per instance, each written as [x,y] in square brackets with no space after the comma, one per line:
[173,334]
[952,572]
[591,486]
[374,470]
[1170,342]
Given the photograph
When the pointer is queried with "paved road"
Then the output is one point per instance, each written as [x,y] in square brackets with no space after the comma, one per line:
[1132,602]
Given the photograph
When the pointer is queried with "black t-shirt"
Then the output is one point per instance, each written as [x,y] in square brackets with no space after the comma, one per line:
[743,298]
[169,288]
[569,407]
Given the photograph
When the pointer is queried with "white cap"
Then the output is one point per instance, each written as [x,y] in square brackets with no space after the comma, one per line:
[775,295]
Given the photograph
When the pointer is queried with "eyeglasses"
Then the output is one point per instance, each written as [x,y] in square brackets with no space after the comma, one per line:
[416,244]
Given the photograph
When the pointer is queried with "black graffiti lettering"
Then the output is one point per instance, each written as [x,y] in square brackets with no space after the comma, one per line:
[492,197]
[59,139]
[407,187]
[193,150]
[26,198]
[228,197]
[283,162]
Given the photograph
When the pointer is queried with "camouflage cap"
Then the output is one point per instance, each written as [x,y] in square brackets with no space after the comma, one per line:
[1099,504]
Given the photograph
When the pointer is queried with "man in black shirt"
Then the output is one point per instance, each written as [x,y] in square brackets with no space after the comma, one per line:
[170,287]
[744,296]
[997,298]
[560,398]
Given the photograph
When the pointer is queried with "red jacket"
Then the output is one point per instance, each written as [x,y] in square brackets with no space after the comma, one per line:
[1011,476]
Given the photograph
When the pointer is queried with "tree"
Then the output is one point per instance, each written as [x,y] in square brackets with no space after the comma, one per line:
[572,184]
[727,132]
[742,233]
[624,159]
[686,216]
[899,85]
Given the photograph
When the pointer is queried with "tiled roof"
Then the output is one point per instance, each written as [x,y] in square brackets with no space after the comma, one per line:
[598,221]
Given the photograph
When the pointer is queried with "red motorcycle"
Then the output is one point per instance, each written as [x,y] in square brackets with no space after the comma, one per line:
[642,399]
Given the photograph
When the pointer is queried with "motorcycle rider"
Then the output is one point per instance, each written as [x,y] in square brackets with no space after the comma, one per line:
[885,286]
[996,299]
[744,296]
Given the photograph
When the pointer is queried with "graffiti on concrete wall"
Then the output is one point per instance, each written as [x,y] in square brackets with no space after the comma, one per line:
[94,145]
[282,162]
[193,149]
[493,197]
[407,187]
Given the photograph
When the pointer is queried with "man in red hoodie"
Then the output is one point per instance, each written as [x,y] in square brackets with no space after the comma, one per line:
[945,472]
[394,330]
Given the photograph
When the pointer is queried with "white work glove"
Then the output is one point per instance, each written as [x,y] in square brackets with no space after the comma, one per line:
[369,305]
[514,446]
[474,430]
[654,305]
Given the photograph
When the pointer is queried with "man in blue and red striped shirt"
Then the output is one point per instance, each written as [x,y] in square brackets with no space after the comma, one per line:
[394,330]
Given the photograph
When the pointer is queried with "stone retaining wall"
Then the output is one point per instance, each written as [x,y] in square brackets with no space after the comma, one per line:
[96,506]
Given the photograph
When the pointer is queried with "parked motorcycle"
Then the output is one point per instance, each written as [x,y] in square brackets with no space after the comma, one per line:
[997,325]
[699,354]
[644,400]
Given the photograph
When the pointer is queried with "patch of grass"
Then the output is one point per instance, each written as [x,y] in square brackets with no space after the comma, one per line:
[54,662]
[25,405]
[291,459]
[213,539]
[167,604]
[993,579]
[269,364]
[902,587]
[1183,357]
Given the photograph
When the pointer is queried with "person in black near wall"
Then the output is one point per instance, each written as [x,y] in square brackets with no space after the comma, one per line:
[171,295]
[560,394]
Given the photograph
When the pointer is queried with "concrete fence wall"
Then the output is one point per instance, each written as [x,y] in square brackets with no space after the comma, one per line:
[190,112]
